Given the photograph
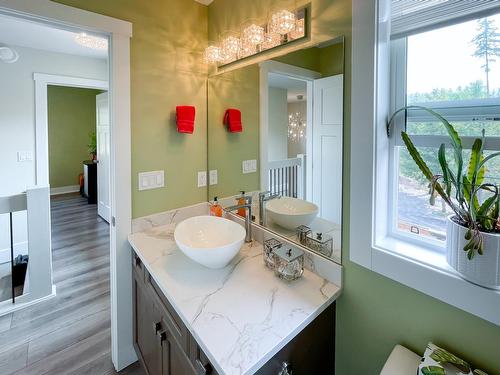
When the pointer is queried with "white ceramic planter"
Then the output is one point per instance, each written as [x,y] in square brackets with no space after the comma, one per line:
[483,269]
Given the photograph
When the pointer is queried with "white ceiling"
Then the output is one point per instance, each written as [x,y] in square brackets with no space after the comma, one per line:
[294,87]
[20,32]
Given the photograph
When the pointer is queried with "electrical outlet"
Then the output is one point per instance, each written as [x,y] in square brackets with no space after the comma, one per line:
[213,177]
[249,166]
[151,180]
[202,178]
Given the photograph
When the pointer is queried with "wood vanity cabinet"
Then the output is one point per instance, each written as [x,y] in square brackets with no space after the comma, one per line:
[165,346]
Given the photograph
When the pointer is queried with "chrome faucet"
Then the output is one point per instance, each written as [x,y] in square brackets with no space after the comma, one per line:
[263,198]
[248,216]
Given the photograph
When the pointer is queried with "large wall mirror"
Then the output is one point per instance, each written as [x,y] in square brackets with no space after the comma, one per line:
[288,154]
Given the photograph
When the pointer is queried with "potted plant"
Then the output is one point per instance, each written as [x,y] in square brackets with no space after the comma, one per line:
[474,227]
[92,146]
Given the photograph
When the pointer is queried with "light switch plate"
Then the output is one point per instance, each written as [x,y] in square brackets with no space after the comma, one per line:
[23,156]
[249,166]
[202,178]
[213,178]
[151,180]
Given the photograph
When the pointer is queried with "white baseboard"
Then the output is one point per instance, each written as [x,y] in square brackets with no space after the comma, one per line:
[19,248]
[65,189]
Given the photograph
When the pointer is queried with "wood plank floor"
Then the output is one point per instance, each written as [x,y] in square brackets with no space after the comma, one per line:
[68,334]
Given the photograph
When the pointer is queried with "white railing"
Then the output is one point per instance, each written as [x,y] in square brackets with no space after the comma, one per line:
[38,284]
[287,177]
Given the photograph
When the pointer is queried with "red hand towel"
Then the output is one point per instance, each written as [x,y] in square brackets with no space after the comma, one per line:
[185,118]
[232,118]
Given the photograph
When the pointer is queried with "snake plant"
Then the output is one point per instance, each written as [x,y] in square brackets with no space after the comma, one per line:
[460,185]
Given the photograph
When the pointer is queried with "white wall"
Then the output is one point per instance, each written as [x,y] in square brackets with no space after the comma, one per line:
[298,147]
[17,122]
[278,124]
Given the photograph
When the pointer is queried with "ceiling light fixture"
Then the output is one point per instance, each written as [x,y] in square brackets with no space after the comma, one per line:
[90,41]
[8,55]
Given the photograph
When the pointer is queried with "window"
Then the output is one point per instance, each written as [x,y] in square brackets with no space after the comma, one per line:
[376,240]
[454,70]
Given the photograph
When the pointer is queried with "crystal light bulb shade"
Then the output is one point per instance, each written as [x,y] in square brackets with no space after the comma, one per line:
[299,30]
[253,34]
[90,41]
[271,40]
[282,22]
[213,55]
[247,49]
[230,47]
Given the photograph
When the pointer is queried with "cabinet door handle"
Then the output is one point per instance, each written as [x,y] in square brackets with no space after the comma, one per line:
[286,369]
[202,369]
[161,336]
[156,327]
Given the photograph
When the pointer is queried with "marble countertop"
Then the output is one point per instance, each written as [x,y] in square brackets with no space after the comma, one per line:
[241,315]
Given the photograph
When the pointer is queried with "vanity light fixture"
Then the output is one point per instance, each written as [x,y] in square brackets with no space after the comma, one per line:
[253,35]
[90,41]
[230,48]
[283,26]
[213,54]
[299,29]
[247,49]
[282,22]
[271,40]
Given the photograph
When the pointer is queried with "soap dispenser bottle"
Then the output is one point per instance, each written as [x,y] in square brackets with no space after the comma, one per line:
[241,201]
[216,208]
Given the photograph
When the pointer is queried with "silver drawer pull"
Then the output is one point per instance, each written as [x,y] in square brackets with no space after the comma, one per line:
[156,327]
[202,369]
[286,369]
[161,336]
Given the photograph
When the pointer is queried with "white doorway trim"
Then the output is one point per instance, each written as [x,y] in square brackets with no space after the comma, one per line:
[119,33]
[295,72]
[42,81]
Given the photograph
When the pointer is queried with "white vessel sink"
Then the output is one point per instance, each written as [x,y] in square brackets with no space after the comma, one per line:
[209,240]
[291,212]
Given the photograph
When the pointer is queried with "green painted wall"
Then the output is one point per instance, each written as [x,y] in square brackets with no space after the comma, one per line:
[226,151]
[167,69]
[71,117]
[327,61]
[375,313]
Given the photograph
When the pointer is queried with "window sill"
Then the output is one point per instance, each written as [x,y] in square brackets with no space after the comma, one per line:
[423,269]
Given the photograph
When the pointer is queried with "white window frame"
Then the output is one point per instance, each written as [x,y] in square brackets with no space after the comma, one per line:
[371,245]
[459,110]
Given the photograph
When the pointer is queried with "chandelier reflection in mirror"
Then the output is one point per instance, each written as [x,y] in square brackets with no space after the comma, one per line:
[296,127]
[282,27]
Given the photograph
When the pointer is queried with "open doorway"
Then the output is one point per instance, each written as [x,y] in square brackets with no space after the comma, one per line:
[48,91]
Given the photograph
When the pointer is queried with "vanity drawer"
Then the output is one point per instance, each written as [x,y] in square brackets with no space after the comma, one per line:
[170,317]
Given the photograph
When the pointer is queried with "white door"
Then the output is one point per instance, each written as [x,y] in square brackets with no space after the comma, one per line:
[103,156]
[327,146]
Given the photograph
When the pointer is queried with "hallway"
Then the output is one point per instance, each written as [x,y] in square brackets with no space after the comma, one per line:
[68,334]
